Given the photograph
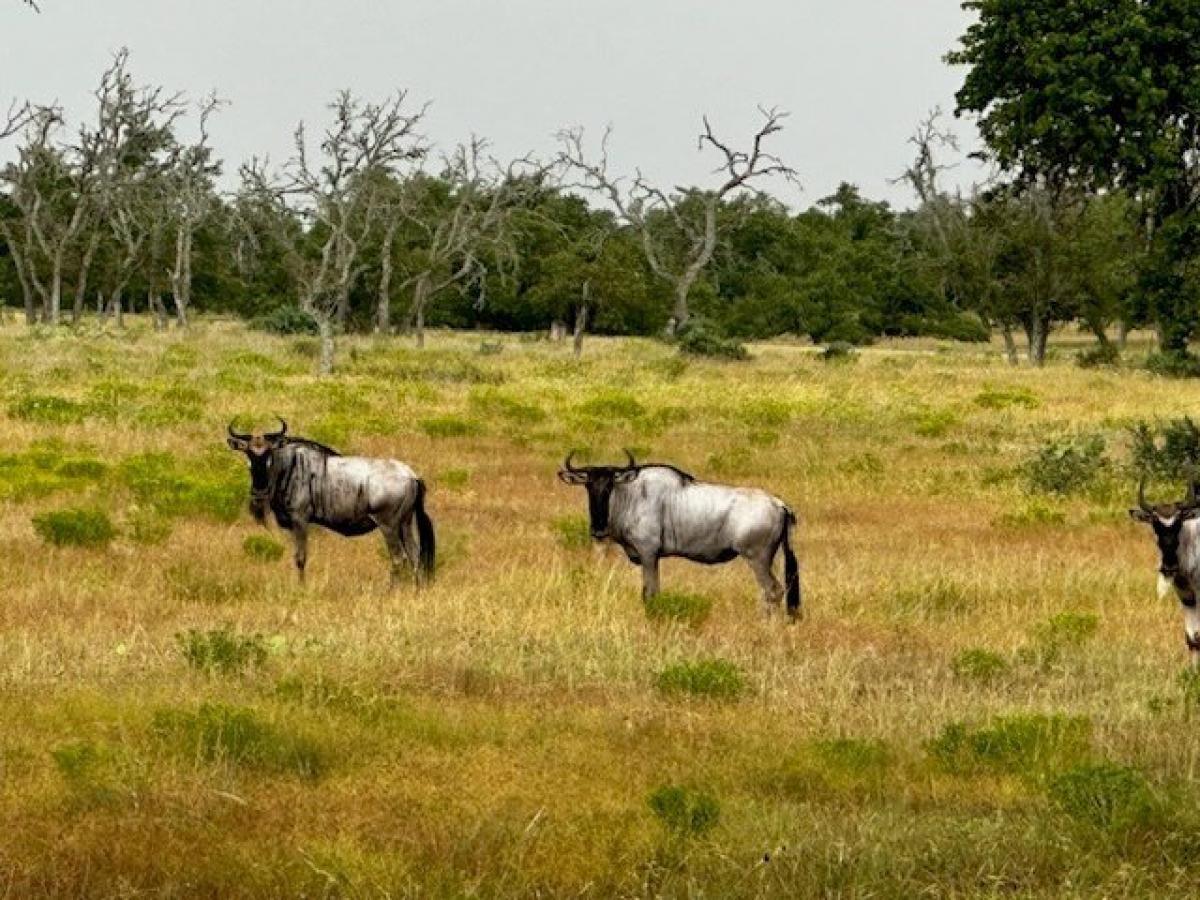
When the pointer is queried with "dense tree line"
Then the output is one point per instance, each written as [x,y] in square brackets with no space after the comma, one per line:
[368,226]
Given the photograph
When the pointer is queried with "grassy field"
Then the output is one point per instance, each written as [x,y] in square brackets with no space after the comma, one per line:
[984,698]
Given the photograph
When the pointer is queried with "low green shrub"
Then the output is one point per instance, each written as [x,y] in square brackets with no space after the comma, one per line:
[1166,450]
[75,527]
[285,320]
[261,548]
[1100,356]
[839,352]
[716,679]
[1173,364]
[978,665]
[692,609]
[221,650]
[699,337]
[686,812]
[1066,466]
[453,479]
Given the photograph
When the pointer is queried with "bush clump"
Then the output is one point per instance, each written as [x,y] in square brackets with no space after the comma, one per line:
[1173,364]
[716,679]
[1099,357]
[701,338]
[839,352]
[692,609]
[1168,450]
[1066,466]
[684,811]
[285,320]
[980,665]
[75,527]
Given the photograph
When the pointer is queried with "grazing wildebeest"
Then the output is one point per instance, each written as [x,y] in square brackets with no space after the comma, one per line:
[305,483]
[1178,535]
[656,511]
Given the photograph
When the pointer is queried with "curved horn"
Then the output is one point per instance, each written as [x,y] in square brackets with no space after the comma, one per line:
[1193,499]
[1142,494]
[632,461]
[567,462]
[237,436]
[282,432]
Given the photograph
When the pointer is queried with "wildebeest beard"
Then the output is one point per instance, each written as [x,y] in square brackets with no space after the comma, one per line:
[260,488]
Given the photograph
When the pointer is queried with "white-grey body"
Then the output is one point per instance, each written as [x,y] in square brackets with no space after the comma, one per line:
[1177,532]
[304,483]
[657,511]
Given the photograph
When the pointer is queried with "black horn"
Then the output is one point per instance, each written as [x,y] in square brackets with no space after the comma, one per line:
[1142,494]
[1193,500]
[632,461]
[281,433]
[237,436]
[567,462]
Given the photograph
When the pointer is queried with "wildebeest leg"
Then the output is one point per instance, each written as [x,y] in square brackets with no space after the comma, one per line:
[649,575]
[300,544]
[393,536]
[770,589]
[1191,627]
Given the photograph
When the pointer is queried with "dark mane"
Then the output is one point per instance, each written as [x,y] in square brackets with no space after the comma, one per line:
[686,476]
[315,445]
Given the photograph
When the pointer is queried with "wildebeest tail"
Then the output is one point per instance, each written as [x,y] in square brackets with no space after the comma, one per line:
[791,568]
[425,535]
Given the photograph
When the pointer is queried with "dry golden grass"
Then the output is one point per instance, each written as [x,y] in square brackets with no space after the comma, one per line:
[498,734]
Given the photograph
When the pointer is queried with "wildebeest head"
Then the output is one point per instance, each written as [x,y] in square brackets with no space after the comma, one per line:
[1167,520]
[259,448]
[599,481]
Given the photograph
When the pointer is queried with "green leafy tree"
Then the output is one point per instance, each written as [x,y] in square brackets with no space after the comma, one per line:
[1100,94]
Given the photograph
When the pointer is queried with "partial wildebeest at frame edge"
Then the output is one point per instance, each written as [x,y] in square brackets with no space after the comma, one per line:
[306,483]
[654,511]
[1177,532]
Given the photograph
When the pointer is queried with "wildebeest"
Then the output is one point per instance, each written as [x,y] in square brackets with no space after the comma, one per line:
[306,483]
[1177,532]
[657,511]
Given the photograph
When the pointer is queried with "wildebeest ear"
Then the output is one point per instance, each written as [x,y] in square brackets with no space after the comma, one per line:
[572,477]
[625,475]
[241,445]
[1140,515]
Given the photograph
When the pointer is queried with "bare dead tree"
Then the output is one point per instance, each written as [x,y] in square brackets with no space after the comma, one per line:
[458,239]
[334,196]
[189,200]
[637,201]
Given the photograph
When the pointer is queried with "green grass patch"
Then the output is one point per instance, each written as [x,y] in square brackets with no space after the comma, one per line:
[173,488]
[981,666]
[716,679]
[673,606]
[573,532]
[48,409]
[75,527]
[1016,745]
[1006,398]
[239,737]
[221,650]
[450,427]
[261,548]
[684,811]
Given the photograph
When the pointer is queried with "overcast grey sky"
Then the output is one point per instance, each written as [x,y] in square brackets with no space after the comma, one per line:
[856,75]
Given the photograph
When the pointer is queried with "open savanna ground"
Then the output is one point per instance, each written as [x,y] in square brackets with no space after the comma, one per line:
[984,697]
